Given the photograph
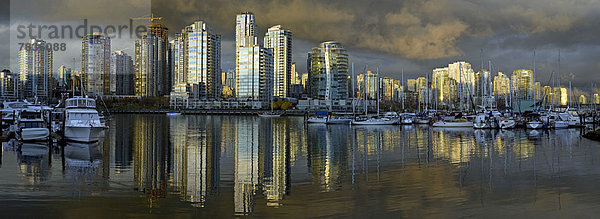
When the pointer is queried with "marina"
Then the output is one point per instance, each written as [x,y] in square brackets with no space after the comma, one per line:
[210,165]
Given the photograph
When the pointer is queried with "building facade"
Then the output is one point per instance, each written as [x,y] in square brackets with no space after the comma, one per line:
[328,72]
[149,66]
[95,64]
[254,79]
[121,69]
[35,69]
[280,41]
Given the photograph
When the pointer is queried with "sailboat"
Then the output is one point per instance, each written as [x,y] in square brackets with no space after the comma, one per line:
[377,119]
[271,114]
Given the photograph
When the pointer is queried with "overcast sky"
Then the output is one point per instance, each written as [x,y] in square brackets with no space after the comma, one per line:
[415,35]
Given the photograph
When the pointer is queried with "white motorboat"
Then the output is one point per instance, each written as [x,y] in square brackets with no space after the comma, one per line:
[560,124]
[571,116]
[483,121]
[534,124]
[453,123]
[173,113]
[82,122]
[507,123]
[31,126]
[319,117]
[408,118]
[375,121]
[269,115]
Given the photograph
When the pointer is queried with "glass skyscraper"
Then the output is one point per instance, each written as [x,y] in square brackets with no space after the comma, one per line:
[280,41]
[328,71]
[95,64]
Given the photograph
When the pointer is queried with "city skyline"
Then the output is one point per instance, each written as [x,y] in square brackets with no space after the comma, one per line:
[496,42]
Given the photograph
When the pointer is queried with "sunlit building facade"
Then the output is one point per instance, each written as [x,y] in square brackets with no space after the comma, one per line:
[328,71]
[280,41]
[35,69]
[95,63]
[254,74]
[149,66]
[202,60]
[441,84]
[367,85]
[522,84]
[501,84]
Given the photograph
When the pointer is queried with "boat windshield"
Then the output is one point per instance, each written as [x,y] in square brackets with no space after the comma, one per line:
[35,124]
[83,116]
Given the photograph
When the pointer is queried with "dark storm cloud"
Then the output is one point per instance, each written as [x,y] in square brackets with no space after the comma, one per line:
[420,35]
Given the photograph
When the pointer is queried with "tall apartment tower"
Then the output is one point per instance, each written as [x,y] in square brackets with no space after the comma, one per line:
[35,69]
[253,62]
[121,69]
[328,71]
[203,61]
[149,66]
[95,64]
[280,41]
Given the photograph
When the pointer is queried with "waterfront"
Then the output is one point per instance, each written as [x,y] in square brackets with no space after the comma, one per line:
[225,166]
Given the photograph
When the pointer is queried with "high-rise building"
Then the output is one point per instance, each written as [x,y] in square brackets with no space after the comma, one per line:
[537,90]
[9,85]
[522,84]
[296,79]
[35,69]
[596,99]
[62,76]
[501,84]
[230,80]
[245,30]
[328,71]
[121,69]
[304,80]
[367,85]
[95,64]
[178,67]
[483,83]
[582,99]
[280,41]
[203,61]
[548,95]
[164,79]
[441,84]
[149,66]
[254,74]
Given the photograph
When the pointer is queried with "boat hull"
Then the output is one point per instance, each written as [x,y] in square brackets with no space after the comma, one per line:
[316,120]
[534,125]
[339,121]
[34,134]
[452,124]
[84,134]
[508,124]
[375,122]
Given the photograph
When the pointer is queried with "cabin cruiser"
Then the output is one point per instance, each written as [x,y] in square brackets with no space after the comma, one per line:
[535,121]
[10,111]
[82,122]
[571,116]
[31,125]
[507,123]
[319,117]
[408,118]
[485,121]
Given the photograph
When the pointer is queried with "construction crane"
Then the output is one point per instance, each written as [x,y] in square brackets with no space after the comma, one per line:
[151,18]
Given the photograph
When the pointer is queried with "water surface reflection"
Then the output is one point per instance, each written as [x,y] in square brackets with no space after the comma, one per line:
[240,165]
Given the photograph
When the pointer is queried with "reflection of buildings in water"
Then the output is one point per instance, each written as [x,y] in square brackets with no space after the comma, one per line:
[454,144]
[150,159]
[246,165]
[275,171]
[195,152]
[327,154]
[34,161]
[122,129]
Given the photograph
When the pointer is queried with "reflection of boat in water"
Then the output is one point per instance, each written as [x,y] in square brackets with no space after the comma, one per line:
[453,129]
[82,154]
[30,150]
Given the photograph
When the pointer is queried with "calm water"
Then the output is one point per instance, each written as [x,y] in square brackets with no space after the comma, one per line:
[190,166]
